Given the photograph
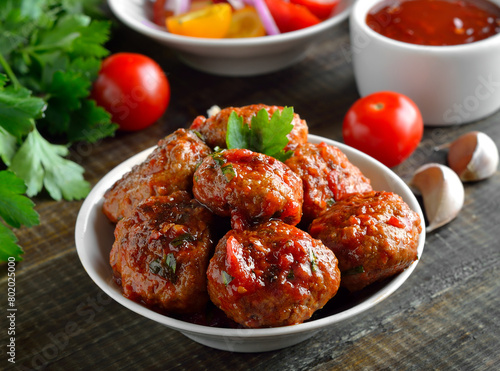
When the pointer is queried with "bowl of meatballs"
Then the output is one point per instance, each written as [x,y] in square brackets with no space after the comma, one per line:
[242,251]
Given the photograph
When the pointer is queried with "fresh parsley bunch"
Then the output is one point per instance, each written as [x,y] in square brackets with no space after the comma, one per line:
[50,53]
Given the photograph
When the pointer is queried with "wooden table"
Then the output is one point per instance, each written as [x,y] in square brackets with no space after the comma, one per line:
[446,316]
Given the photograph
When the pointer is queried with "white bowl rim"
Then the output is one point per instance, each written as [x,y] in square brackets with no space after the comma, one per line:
[157,32]
[182,326]
[362,7]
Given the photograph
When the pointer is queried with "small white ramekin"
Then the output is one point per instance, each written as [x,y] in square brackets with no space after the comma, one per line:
[450,84]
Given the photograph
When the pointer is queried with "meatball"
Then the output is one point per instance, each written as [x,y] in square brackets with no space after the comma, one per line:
[168,168]
[161,253]
[327,176]
[373,235]
[249,187]
[214,128]
[272,274]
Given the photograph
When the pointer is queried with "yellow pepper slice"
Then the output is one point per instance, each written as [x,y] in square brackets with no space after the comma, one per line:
[211,22]
[246,23]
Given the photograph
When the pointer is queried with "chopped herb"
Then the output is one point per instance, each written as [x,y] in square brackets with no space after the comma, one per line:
[290,275]
[217,156]
[171,262]
[226,278]
[228,171]
[156,267]
[179,240]
[165,267]
[313,260]
[330,202]
[198,134]
[264,135]
[356,270]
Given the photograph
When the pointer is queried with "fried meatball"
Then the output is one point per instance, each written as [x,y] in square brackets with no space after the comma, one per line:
[214,128]
[161,253]
[327,176]
[373,235]
[273,274]
[168,168]
[249,187]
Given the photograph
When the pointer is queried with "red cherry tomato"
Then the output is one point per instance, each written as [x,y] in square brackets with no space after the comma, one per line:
[133,89]
[320,8]
[291,17]
[385,125]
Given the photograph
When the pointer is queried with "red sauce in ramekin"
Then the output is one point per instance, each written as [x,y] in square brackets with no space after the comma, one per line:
[435,22]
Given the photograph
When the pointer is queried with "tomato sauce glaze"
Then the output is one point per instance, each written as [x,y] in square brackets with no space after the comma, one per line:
[435,22]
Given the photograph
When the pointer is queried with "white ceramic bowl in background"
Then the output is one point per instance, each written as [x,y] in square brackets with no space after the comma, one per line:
[94,238]
[230,57]
[450,84]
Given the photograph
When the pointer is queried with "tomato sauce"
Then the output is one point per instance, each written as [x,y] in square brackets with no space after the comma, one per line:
[435,22]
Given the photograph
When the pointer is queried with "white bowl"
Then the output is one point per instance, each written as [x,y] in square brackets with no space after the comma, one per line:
[94,238]
[230,57]
[450,84]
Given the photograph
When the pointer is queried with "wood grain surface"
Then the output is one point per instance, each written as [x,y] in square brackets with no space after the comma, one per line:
[445,317]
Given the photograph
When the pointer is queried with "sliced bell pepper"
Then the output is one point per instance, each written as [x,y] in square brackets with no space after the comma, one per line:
[211,22]
[291,17]
[246,23]
[322,9]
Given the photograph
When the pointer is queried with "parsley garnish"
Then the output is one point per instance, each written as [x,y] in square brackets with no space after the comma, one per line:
[356,270]
[226,278]
[15,210]
[313,260]
[179,240]
[50,52]
[264,135]
[165,267]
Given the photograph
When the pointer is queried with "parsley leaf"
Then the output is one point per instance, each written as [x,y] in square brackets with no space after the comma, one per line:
[18,109]
[165,267]
[8,244]
[7,146]
[41,164]
[16,210]
[264,135]
[50,52]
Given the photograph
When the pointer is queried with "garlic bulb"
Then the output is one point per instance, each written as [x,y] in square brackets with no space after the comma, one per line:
[473,156]
[442,193]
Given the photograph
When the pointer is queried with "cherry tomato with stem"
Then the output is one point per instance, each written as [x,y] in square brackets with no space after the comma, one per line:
[133,89]
[385,125]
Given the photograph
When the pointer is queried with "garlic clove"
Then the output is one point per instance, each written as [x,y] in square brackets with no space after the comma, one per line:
[473,156]
[442,193]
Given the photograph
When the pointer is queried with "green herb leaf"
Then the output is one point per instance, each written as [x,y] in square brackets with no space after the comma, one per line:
[8,146]
[8,245]
[40,163]
[90,123]
[171,263]
[313,260]
[226,278]
[356,270]
[228,172]
[264,135]
[15,208]
[238,133]
[179,240]
[18,109]
[165,267]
